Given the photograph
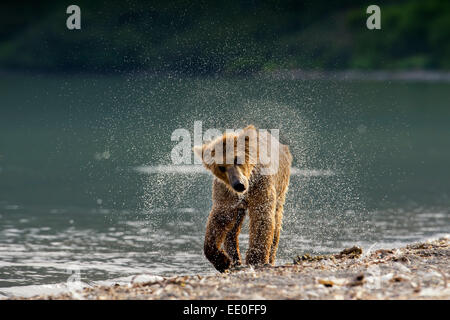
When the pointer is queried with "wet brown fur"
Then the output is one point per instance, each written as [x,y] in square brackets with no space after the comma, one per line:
[263,199]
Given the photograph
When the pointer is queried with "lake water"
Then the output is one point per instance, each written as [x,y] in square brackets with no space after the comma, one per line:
[87,182]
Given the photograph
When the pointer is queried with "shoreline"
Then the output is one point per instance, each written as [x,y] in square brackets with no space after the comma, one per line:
[417,271]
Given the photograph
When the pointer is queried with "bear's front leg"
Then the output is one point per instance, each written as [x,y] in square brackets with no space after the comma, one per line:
[219,223]
[231,244]
[262,227]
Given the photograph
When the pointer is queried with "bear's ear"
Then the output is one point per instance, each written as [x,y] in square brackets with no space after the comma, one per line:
[198,151]
[248,131]
[250,136]
[249,127]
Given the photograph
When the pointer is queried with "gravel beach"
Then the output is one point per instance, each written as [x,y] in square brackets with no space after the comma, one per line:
[417,271]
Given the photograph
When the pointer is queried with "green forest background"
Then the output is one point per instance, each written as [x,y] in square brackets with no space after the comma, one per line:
[226,37]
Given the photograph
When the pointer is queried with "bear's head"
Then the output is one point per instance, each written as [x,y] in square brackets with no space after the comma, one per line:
[231,157]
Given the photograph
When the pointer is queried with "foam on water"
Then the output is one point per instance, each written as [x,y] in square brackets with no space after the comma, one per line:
[199,169]
[73,287]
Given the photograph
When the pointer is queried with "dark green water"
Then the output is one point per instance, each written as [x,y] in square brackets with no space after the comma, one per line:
[80,186]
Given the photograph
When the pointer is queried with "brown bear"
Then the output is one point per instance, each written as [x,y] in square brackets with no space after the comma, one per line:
[251,174]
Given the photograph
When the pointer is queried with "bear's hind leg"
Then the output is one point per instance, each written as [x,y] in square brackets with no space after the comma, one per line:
[231,244]
[276,234]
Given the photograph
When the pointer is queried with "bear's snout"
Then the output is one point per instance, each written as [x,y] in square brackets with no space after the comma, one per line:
[238,186]
[236,180]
